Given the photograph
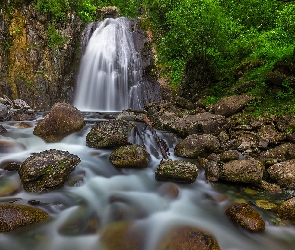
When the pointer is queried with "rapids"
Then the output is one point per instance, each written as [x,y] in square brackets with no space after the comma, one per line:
[136,192]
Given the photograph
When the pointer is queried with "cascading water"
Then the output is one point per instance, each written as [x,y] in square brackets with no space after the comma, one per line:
[110,76]
[97,198]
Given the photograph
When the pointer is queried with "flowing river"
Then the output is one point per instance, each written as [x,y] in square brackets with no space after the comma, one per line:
[97,194]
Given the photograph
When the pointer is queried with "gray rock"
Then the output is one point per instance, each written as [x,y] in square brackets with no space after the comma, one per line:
[176,171]
[283,174]
[280,153]
[130,156]
[47,170]
[243,171]
[229,155]
[231,105]
[110,134]
[195,145]
[168,117]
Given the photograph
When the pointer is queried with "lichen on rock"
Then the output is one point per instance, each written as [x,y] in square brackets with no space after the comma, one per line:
[130,156]
[47,170]
[177,171]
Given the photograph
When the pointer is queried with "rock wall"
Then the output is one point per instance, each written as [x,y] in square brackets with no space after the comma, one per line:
[38,59]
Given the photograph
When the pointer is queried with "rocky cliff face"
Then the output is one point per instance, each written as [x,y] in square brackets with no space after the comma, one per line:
[38,58]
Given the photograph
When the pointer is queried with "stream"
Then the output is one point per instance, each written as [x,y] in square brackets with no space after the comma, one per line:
[97,195]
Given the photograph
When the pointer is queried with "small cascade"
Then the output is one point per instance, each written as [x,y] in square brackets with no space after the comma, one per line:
[111,75]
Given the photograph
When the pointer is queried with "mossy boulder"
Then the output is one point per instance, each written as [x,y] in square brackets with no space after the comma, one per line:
[186,237]
[247,171]
[283,174]
[176,171]
[15,216]
[130,156]
[47,170]
[245,216]
[109,134]
[196,145]
[62,120]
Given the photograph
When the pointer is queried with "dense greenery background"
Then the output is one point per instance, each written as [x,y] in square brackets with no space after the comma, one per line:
[226,33]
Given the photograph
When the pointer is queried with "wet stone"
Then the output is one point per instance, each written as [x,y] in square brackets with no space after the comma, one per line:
[62,120]
[110,134]
[186,237]
[286,210]
[47,170]
[245,216]
[15,216]
[169,190]
[176,171]
[121,235]
[130,156]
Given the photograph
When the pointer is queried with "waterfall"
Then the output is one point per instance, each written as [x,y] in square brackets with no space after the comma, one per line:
[111,75]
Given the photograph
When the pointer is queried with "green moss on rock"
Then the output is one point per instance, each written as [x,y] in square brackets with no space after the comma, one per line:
[130,156]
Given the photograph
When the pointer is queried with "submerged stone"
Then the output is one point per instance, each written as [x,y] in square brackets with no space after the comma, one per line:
[186,237]
[121,235]
[245,216]
[130,156]
[15,216]
[177,171]
[47,170]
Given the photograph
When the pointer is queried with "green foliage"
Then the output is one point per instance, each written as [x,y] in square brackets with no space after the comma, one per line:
[54,38]
[56,8]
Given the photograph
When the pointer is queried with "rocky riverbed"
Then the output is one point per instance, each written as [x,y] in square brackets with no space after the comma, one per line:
[250,159]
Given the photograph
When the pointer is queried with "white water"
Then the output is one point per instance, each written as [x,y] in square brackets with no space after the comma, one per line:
[110,73]
[137,194]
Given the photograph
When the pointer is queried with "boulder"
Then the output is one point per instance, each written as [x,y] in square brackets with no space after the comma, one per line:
[176,171]
[206,123]
[231,105]
[195,145]
[286,210]
[47,170]
[268,135]
[110,134]
[130,156]
[245,216]
[15,216]
[279,153]
[187,237]
[229,155]
[283,174]
[168,117]
[62,120]
[248,171]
